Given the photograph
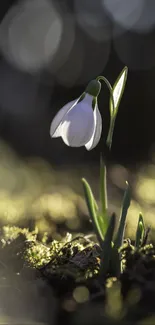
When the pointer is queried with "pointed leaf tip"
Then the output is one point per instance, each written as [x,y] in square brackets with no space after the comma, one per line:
[118,88]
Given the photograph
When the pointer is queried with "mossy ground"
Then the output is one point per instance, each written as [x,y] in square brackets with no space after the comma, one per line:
[66,273]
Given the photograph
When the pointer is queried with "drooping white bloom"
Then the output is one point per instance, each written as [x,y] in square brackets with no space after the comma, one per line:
[79,123]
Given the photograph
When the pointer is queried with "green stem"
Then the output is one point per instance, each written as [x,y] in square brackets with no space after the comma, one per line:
[112,111]
[111,130]
[111,93]
[103,188]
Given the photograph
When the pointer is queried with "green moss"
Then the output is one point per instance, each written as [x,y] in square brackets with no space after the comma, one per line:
[75,257]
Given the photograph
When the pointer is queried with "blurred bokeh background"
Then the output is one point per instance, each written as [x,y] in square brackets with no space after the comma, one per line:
[49,51]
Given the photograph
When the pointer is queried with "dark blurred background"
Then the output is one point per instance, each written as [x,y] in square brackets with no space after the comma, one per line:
[51,49]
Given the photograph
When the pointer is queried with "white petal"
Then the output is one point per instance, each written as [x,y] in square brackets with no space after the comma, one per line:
[55,128]
[87,99]
[78,124]
[97,130]
[119,87]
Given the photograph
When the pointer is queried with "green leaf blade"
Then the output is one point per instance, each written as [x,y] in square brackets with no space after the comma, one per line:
[118,90]
[121,228]
[107,247]
[92,208]
[115,99]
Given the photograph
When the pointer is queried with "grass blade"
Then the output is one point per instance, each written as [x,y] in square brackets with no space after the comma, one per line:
[125,206]
[140,233]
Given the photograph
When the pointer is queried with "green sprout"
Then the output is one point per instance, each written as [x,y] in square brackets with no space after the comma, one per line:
[111,239]
[104,226]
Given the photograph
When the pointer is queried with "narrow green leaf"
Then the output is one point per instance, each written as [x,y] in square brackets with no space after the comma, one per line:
[95,204]
[103,194]
[117,92]
[103,225]
[107,246]
[91,204]
[115,263]
[121,228]
[140,233]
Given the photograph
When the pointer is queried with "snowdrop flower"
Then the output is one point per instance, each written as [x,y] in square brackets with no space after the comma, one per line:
[79,122]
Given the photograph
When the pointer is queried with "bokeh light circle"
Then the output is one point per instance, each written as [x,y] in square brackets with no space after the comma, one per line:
[30,34]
